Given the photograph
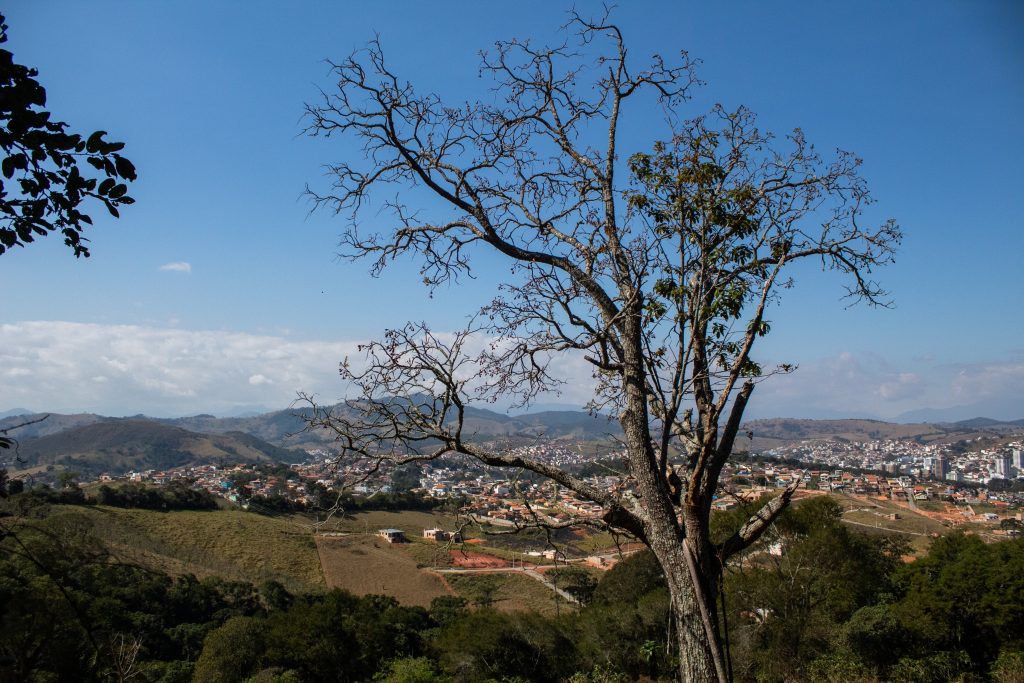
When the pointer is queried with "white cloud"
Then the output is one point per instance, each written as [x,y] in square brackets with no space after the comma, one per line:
[981,381]
[127,369]
[904,385]
[177,267]
[871,385]
[844,385]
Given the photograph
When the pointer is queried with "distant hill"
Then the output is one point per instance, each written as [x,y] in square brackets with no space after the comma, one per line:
[281,427]
[782,432]
[551,424]
[1001,410]
[986,423]
[790,429]
[44,424]
[271,435]
[285,427]
[120,445]
[276,427]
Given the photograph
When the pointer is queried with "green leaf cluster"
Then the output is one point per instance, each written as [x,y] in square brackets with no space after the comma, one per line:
[45,182]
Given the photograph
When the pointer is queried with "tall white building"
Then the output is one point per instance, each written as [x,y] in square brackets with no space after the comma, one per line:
[1018,459]
[1002,466]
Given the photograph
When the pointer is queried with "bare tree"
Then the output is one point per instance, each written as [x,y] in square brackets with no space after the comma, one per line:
[661,282]
[123,652]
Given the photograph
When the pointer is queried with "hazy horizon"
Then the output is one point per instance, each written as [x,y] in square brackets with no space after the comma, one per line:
[950,415]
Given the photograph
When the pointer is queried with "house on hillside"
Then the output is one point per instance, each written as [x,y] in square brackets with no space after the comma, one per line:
[442,536]
[392,535]
[599,562]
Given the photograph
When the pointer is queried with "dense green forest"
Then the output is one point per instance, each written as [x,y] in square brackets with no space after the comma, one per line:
[834,605]
[177,495]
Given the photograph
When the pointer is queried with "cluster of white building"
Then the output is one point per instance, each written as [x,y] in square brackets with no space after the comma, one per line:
[904,470]
[931,461]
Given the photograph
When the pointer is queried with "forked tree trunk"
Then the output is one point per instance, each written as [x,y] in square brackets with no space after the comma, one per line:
[700,656]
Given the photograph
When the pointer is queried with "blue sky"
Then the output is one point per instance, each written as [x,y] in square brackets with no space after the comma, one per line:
[209,95]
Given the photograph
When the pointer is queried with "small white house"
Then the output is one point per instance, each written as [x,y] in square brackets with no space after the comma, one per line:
[442,536]
[392,535]
[436,534]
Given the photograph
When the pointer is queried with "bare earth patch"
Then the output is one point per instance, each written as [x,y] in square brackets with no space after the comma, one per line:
[470,560]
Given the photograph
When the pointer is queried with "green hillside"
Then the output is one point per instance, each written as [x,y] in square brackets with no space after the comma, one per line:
[228,543]
[117,446]
[782,432]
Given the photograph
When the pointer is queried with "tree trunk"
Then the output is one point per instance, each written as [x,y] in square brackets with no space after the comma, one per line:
[693,606]
[697,651]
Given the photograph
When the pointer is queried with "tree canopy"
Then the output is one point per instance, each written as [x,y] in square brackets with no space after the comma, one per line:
[835,605]
[46,168]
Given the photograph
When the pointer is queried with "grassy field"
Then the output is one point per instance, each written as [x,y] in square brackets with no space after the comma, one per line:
[509,592]
[868,515]
[228,543]
[410,521]
[367,564]
[574,542]
[590,542]
[362,563]
[932,505]
[240,545]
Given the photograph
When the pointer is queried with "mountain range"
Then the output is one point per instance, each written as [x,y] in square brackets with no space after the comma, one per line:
[92,443]
[120,445]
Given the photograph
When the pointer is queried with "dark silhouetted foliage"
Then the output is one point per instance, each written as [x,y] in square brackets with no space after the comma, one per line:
[44,182]
[177,495]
